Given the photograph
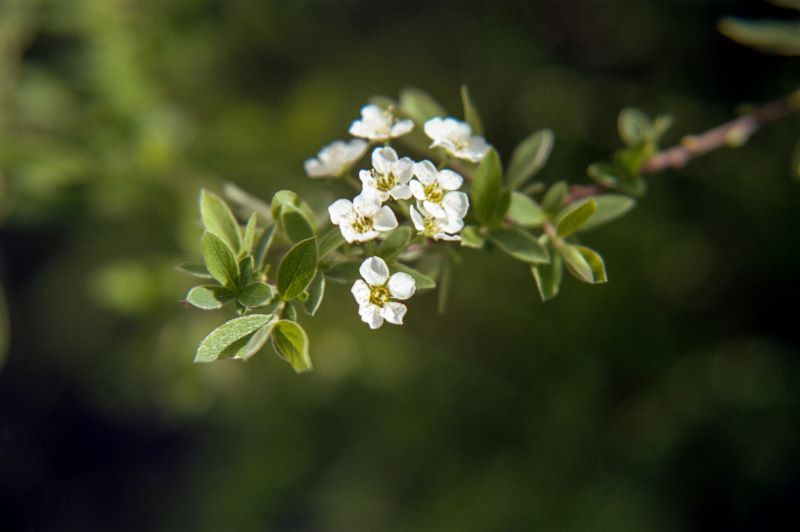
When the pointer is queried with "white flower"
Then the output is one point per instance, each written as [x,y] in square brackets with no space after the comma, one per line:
[334,158]
[436,228]
[362,219]
[436,189]
[389,176]
[456,137]
[379,124]
[378,293]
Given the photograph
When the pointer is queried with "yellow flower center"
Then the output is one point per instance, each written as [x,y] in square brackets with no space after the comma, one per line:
[434,192]
[362,224]
[384,182]
[379,295]
[430,227]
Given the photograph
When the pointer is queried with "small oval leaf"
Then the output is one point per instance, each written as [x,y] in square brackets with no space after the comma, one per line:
[297,269]
[529,157]
[291,343]
[574,217]
[227,334]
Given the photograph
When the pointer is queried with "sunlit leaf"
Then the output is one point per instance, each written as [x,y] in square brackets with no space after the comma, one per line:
[219,220]
[524,211]
[573,217]
[220,260]
[291,343]
[297,269]
[227,334]
[609,208]
[316,291]
[519,244]
[529,157]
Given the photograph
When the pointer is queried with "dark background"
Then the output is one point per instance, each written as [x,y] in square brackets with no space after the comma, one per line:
[665,400]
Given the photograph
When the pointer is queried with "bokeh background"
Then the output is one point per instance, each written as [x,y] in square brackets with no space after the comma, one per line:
[665,400]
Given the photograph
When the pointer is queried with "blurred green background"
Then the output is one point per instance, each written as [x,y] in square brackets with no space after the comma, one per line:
[665,400]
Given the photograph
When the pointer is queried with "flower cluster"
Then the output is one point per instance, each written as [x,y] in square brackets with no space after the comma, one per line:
[429,196]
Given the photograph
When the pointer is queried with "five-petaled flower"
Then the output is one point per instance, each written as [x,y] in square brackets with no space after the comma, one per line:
[389,175]
[437,191]
[377,294]
[380,125]
[456,138]
[433,227]
[335,158]
[363,218]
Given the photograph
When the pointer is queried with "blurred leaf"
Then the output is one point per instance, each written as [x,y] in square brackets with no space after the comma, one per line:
[419,105]
[472,238]
[524,211]
[257,342]
[659,127]
[219,220]
[604,173]
[529,157]
[595,262]
[609,208]
[548,277]
[395,243]
[633,126]
[487,189]
[195,269]
[296,225]
[422,281]
[329,242]
[574,216]
[263,245]
[248,202]
[249,234]
[297,269]
[289,313]
[471,115]
[772,36]
[789,4]
[519,244]
[554,198]
[291,343]
[344,272]
[206,297]
[584,263]
[316,291]
[227,334]
[282,197]
[220,261]
[256,294]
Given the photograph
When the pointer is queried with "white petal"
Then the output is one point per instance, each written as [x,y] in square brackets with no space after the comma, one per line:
[394,312]
[401,285]
[371,112]
[367,203]
[349,233]
[403,170]
[426,172]
[383,159]
[417,219]
[452,225]
[445,236]
[449,180]
[375,271]
[314,168]
[340,209]
[402,127]
[475,150]
[361,292]
[401,192]
[434,128]
[435,210]
[359,129]
[456,129]
[456,203]
[417,189]
[385,220]
[366,178]
[366,237]
[371,315]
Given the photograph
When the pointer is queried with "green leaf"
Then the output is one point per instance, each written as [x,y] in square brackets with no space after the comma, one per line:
[291,343]
[576,263]
[295,223]
[219,259]
[472,238]
[772,36]
[554,198]
[605,174]
[633,126]
[248,202]
[297,269]
[329,242]
[227,334]
[471,115]
[344,272]
[395,243]
[788,4]
[207,297]
[257,341]
[529,157]
[219,219]
[316,290]
[263,245]
[419,105]
[595,262]
[195,269]
[548,277]
[287,196]
[519,244]
[256,294]
[422,281]
[524,211]
[289,313]
[487,189]
[574,216]
[609,208]
[250,234]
